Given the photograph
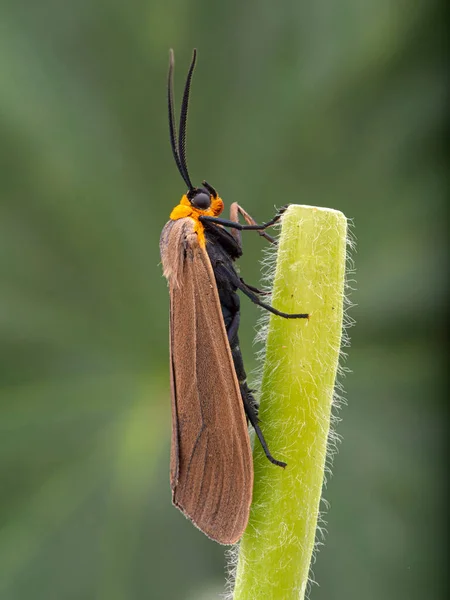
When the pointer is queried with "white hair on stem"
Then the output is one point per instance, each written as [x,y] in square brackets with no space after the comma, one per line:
[316,275]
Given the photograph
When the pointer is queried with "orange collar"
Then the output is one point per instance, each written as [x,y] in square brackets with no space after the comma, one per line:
[185,209]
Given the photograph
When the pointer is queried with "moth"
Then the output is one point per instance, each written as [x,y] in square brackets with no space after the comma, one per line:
[211,469]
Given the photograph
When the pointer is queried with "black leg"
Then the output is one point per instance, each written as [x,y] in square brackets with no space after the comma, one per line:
[255,289]
[239,226]
[251,415]
[231,276]
[233,327]
[254,298]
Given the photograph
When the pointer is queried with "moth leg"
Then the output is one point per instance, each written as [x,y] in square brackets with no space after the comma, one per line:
[238,226]
[234,216]
[236,209]
[241,374]
[255,289]
[233,327]
[250,404]
[251,415]
[254,298]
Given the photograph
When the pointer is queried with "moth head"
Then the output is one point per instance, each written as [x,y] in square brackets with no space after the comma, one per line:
[200,198]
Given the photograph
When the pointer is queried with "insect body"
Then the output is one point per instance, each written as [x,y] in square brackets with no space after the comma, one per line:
[211,459]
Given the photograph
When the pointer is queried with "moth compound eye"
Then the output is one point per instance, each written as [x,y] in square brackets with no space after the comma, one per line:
[202,201]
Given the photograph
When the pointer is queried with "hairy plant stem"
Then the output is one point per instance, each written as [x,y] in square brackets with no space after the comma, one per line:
[296,398]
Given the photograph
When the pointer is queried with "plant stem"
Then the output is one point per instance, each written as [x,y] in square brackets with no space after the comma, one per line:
[296,398]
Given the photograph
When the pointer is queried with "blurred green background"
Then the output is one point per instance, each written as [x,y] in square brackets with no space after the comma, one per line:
[326,103]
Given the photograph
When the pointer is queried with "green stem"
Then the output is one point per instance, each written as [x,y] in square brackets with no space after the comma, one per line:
[296,398]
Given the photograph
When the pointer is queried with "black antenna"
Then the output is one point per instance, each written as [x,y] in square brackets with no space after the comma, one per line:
[183,123]
[172,126]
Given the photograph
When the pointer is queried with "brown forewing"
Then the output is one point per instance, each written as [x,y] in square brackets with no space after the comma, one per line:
[211,460]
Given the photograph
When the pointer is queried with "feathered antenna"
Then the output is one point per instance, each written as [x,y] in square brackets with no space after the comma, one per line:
[179,153]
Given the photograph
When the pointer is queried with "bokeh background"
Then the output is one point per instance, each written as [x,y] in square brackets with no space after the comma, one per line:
[337,104]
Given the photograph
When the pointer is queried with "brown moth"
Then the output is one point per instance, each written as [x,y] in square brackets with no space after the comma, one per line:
[211,460]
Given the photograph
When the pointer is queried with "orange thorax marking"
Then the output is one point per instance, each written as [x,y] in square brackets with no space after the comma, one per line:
[185,209]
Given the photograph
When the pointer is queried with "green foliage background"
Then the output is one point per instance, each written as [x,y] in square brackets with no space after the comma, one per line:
[334,104]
